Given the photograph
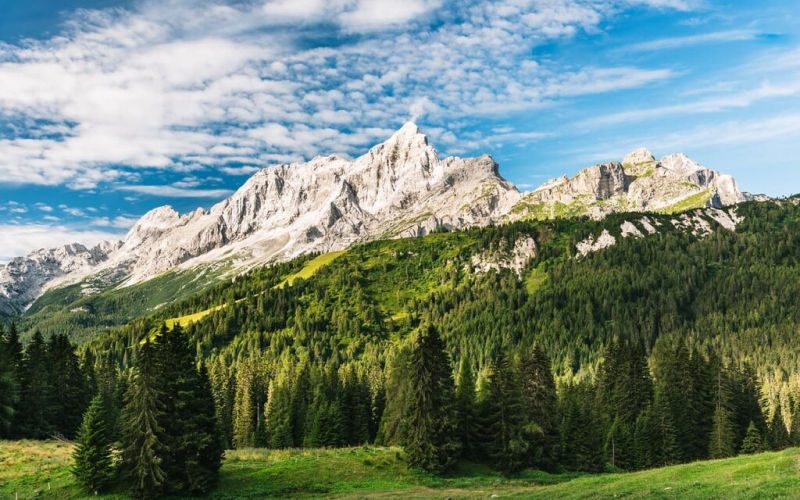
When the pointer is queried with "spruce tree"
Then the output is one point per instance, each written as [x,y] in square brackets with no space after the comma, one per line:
[753,442]
[9,391]
[539,391]
[503,417]
[278,415]
[191,442]
[93,467]
[723,431]
[35,410]
[68,396]
[467,411]
[794,431]
[779,436]
[431,442]
[141,438]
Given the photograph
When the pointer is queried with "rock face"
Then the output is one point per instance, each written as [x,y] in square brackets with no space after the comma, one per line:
[25,278]
[639,183]
[399,188]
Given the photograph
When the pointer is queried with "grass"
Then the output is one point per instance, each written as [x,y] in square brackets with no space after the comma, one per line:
[697,200]
[311,268]
[35,469]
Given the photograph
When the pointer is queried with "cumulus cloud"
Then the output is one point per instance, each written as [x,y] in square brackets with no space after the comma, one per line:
[187,85]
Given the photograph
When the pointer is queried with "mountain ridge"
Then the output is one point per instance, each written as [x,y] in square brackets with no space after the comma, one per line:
[398,188]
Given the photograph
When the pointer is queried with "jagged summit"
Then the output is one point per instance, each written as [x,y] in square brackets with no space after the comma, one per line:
[638,183]
[641,155]
[401,187]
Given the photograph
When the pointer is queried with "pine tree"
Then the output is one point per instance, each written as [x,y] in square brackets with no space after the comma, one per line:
[245,409]
[68,397]
[9,390]
[203,463]
[35,411]
[794,432]
[431,442]
[503,417]
[723,431]
[93,467]
[581,446]
[278,415]
[141,438]
[466,411]
[668,450]
[753,443]
[539,391]
[779,436]
[188,420]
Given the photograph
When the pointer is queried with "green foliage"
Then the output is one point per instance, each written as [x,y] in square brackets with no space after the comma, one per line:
[753,442]
[503,416]
[431,441]
[142,445]
[93,465]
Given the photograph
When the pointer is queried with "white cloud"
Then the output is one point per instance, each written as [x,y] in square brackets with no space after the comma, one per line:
[175,192]
[691,40]
[185,85]
[23,239]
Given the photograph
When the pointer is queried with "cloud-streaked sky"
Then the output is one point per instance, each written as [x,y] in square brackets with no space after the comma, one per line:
[109,108]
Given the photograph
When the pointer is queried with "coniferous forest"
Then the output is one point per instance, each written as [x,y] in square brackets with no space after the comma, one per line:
[660,350]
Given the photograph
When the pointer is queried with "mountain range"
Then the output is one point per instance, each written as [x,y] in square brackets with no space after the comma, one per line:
[399,188]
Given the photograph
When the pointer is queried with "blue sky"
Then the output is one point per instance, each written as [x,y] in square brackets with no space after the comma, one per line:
[110,108]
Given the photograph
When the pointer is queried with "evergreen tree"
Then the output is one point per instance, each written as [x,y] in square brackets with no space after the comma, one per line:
[581,445]
[466,411]
[68,395]
[203,463]
[753,443]
[141,438]
[431,442]
[668,451]
[503,417]
[188,420]
[9,390]
[723,432]
[779,436]
[794,432]
[539,391]
[93,467]
[278,415]
[35,410]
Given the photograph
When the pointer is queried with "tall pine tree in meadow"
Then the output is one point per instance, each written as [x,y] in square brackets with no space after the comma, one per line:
[778,435]
[503,416]
[192,444]
[143,448]
[541,401]
[431,442]
[753,441]
[278,414]
[467,411]
[93,466]
[68,396]
[722,441]
[9,390]
[35,407]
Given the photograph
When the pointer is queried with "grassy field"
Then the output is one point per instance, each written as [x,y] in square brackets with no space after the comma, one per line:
[31,469]
[311,267]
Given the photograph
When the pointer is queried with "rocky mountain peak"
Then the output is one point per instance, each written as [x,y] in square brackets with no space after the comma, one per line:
[641,155]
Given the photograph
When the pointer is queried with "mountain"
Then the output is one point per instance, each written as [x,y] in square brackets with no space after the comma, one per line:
[639,183]
[398,188]
[25,278]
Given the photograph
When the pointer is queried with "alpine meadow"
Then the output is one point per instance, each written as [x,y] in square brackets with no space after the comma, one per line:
[307,249]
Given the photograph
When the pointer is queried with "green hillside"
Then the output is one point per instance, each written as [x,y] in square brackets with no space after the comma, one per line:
[41,469]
